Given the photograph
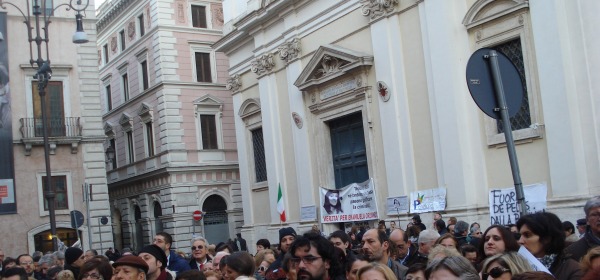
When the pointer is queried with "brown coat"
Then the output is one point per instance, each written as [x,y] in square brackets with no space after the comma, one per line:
[565,268]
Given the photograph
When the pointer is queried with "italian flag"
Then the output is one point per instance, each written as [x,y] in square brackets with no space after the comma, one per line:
[280,206]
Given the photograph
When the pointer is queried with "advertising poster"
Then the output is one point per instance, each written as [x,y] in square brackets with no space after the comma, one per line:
[503,203]
[354,202]
[428,200]
[7,169]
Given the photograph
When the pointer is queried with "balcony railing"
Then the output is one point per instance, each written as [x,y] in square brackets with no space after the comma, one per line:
[57,127]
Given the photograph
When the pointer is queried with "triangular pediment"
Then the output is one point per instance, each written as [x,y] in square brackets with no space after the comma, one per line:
[330,62]
[208,100]
[143,110]
[125,121]
[108,129]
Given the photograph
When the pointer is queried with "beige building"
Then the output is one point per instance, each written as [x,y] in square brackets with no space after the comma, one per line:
[169,117]
[332,92]
[75,135]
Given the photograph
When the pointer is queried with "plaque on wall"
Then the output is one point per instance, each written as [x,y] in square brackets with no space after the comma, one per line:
[384,93]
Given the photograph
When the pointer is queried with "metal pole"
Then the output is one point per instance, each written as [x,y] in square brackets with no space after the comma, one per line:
[76,228]
[99,234]
[510,142]
[87,195]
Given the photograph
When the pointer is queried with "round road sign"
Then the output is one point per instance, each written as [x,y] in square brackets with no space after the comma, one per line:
[197,215]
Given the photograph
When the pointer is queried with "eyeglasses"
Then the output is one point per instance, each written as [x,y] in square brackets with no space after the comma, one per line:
[262,268]
[26,263]
[194,248]
[93,276]
[495,272]
[305,260]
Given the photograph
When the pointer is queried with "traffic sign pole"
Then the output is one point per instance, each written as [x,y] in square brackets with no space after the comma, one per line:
[510,143]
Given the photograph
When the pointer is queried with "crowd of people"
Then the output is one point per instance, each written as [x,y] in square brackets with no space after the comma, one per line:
[538,246]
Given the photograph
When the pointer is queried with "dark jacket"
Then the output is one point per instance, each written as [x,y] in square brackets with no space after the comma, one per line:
[274,271]
[176,263]
[164,275]
[194,265]
[565,268]
[73,269]
[411,257]
[417,258]
[398,269]
[578,249]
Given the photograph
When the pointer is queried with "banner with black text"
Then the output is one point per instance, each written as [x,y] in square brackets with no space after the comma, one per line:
[354,202]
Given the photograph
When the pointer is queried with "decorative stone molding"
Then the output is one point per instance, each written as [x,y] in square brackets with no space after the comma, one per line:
[145,113]
[289,51]
[131,30]
[263,64]
[297,120]
[329,65]
[234,83]
[378,8]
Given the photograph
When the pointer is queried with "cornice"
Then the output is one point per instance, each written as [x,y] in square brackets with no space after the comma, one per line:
[113,12]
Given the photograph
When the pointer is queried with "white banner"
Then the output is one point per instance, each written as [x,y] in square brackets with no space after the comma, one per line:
[428,200]
[503,203]
[354,202]
[397,205]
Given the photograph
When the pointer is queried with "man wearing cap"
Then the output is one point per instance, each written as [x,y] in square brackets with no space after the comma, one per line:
[156,259]
[591,238]
[175,263]
[74,259]
[581,227]
[130,268]
[286,238]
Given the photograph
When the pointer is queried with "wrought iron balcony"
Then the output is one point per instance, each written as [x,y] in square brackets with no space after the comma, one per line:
[60,131]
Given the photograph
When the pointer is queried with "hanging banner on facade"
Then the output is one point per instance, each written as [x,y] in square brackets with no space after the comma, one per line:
[428,200]
[354,202]
[7,168]
[397,205]
[503,203]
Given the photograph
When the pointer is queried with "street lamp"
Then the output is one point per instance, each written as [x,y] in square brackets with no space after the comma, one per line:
[37,19]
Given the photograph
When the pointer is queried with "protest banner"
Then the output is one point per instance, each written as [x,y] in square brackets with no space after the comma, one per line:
[354,202]
[397,205]
[503,203]
[428,200]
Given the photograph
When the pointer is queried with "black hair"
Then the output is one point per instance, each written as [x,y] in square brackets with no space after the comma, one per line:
[264,242]
[510,243]
[325,249]
[15,271]
[222,246]
[549,227]
[102,265]
[568,226]
[190,275]
[242,263]
[353,258]
[328,207]
[20,256]
[440,224]
[342,235]
[416,267]
[168,238]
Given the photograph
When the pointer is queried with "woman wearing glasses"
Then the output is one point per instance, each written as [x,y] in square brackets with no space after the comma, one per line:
[504,266]
[96,269]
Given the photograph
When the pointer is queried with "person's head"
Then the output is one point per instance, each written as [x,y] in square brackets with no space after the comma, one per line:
[447,240]
[199,248]
[537,275]
[314,257]
[592,214]
[262,244]
[439,224]
[26,262]
[542,234]
[376,245]
[286,238]
[354,263]
[416,272]
[440,252]
[455,267]
[90,254]
[46,262]
[376,271]
[74,257]
[239,264]
[333,201]
[392,225]
[8,262]
[591,260]
[14,273]
[217,259]
[156,259]
[53,271]
[475,231]
[581,226]
[60,258]
[65,274]
[451,228]
[497,239]
[568,227]
[224,247]
[416,219]
[265,262]
[512,228]
[508,264]
[426,240]
[413,233]
[451,221]
[340,239]
[96,269]
[130,268]
[164,241]
[461,228]
[190,275]
[475,225]
[399,239]
[470,252]
[437,216]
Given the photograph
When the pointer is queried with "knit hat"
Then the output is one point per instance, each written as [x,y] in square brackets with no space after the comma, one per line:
[285,232]
[72,254]
[132,260]
[156,252]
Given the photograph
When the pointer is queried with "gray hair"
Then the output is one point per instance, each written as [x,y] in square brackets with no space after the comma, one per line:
[458,265]
[59,255]
[199,238]
[461,226]
[49,259]
[428,235]
[592,203]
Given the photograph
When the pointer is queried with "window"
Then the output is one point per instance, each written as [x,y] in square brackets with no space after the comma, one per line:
[113,144]
[108,97]
[59,186]
[140,20]
[55,112]
[198,16]
[122,39]
[209,132]
[149,139]
[203,67]
[260,164]
[105,53]
[125,84]
[49,6]
[129,143]
[348,150]
[144,71]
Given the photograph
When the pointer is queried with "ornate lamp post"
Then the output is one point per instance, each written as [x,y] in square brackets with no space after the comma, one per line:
[37,18]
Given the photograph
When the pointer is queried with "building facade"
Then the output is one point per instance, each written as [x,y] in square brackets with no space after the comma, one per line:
[169,117]
[75,134]
[332,92]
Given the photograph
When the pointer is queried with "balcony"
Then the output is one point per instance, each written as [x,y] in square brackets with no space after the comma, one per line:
[61,131]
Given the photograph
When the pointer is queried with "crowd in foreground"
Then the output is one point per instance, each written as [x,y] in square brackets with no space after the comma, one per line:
[538,246]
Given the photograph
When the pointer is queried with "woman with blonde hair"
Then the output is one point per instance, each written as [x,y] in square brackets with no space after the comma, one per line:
[440,252]
[455,267]
[510,262]
[591,260]
[375,271]
[447,240]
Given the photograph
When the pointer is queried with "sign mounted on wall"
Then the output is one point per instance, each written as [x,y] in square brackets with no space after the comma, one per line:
[354,202]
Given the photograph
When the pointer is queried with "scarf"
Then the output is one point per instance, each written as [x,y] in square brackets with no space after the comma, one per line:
[547,260]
